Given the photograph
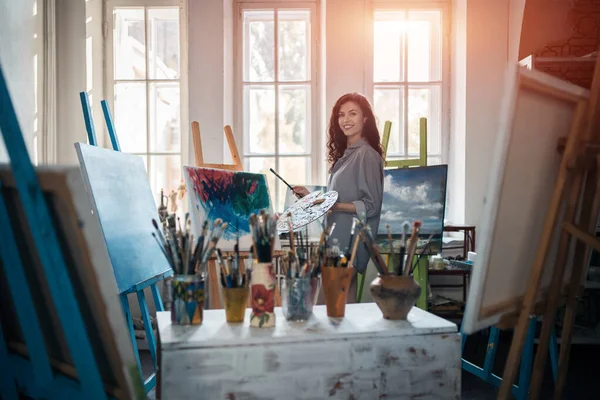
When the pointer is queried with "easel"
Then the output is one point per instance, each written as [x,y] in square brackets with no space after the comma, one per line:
[37,374]
[521,390]
[420,270]
[579,165]
[213,279]
[151,281]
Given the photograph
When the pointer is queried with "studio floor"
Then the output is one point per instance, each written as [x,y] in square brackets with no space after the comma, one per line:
[582,383]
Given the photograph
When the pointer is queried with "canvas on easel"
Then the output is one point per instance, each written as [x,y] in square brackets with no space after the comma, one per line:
[538,110]
[81,239]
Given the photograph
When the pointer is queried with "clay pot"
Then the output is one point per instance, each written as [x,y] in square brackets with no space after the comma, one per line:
[336,284]
[395,295]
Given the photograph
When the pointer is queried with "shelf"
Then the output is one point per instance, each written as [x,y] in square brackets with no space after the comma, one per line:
[592,285]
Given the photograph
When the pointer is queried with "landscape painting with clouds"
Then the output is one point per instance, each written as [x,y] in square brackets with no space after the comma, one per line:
[411,194]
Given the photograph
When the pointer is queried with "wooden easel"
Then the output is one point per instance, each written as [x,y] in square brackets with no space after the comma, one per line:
[235,156]
[579,167]
[213,279]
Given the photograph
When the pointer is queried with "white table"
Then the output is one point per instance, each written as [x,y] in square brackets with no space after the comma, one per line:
[361,356]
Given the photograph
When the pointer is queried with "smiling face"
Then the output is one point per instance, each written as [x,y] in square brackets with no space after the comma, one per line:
[351,120]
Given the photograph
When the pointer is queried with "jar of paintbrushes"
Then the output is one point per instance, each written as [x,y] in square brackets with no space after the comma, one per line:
[299,288]
[262,272]
[234,285]
[336,271]
[396,293]
[189,259]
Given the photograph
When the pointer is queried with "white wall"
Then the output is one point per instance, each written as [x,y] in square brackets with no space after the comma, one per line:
[94,80]
[18,47]
[486,61]
[70,77]
[206,42]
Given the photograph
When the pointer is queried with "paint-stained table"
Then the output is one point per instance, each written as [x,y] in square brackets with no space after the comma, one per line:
[361,356]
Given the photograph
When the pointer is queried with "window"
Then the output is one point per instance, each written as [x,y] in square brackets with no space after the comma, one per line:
[408,79]
[277,89]
[144,67]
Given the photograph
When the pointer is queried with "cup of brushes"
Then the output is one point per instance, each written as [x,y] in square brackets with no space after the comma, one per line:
[189,260]
[336,271]
[395,293]
[234,286]
[299,288]
[262,274]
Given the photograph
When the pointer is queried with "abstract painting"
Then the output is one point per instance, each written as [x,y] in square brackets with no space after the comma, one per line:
[411,194]
[229,195]
[314,228]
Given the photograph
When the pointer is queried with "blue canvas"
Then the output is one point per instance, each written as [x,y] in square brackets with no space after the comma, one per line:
[122,198]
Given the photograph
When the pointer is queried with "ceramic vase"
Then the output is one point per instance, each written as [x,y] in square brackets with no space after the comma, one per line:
[262,288]
[395,295]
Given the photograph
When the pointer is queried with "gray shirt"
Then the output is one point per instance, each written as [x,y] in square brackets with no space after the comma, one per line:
[358,178]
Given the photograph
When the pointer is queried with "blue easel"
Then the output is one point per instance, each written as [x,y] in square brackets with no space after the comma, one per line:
[36,371]
[148,281]
[521,390]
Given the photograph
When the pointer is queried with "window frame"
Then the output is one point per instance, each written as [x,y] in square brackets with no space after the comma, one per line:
[408,5]
[109,80]
[314,152]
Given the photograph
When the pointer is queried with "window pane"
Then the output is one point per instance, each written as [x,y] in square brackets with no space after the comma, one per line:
[388,47]
[129,43]
[165,173]
[165,124]
[130,116]
[294,118]
[295,170]
[259,118]
[388,103]
[163,43]
[424,102]
[259,46]
[294,45]
[261,165]
[424,46]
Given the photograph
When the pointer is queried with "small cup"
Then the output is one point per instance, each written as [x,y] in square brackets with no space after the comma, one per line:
[262,288]
[187,299]
[235,303]
[297,298]
[336,284]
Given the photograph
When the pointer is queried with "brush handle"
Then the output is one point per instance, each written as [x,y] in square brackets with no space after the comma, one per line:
[414,238]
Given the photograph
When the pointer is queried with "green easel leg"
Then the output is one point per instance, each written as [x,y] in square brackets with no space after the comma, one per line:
[420,275]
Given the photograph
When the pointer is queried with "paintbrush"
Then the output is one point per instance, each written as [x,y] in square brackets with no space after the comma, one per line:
[389,236]
[373,250]
[283,180]
[162,248]
[405,228]
[414,238]
[423,250]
